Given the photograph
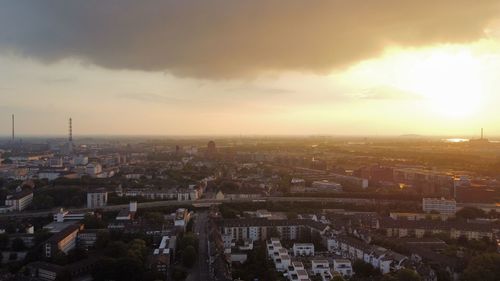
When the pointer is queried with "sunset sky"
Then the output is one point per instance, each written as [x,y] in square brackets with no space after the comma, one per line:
[191,67]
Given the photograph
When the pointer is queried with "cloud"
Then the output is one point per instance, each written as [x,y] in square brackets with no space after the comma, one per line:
[225,39]
[387,93]
[153,98]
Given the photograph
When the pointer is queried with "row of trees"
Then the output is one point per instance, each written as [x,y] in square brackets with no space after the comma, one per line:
[124,261]
[187,252]
[257,266]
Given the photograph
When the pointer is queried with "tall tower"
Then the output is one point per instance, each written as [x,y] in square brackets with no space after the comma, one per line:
[482,136]
[13,128]
[70,139]
[69,145]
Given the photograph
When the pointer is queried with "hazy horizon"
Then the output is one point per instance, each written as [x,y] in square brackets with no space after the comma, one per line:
[251,67]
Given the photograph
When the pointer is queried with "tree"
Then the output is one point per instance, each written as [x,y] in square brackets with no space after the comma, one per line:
[178,273]
[92,222]
[188,239]
[189,256]
[363,269]
[137,249]
[77,254]
[18,245]
[104,269]
[4,241]
[405,274]
[63,275]
[338,278]
[402,275]
[116,249]
[42,235]
[102,240]
[470,213]
[60,258]
[129,269]
[483,268]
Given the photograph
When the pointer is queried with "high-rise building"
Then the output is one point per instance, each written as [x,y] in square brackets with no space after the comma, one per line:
[440,205]
[211,149]
[97,198]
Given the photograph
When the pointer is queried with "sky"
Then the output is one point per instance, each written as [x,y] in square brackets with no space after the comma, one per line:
[256,67]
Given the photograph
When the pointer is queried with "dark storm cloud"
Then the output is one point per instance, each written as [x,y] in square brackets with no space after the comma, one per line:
[232,39]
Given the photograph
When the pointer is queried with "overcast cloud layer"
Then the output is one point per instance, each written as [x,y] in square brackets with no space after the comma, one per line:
[233,39]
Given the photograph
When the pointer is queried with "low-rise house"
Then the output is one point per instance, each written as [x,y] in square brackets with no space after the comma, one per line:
[303,249]
[297,272]
[321,267]
[343,267]
[278,254]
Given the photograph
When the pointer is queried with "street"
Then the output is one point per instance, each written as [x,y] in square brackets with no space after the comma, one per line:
[200,271]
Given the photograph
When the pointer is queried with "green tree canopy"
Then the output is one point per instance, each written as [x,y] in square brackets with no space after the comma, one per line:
[471,213]
[189,256]
[484,267]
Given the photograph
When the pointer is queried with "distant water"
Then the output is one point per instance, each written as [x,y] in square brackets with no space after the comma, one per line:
[455,140]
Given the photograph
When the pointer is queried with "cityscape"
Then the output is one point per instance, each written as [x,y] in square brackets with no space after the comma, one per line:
[254,140]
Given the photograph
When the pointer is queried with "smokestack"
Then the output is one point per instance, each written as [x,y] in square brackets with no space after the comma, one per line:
[482,133]
[13,128]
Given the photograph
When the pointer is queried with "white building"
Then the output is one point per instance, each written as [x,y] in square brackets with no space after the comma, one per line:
[93,169]
[19,201]
[326,186]
[297,272]
[321,267]
[440,205]
[278,254]
[97,199]
[63,215]
[182,217]
[303,249]
[343,267]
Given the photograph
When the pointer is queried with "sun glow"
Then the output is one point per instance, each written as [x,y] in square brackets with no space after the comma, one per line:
[450,83]
[445,81]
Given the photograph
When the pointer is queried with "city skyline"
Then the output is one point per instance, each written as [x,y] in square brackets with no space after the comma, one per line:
[295,70]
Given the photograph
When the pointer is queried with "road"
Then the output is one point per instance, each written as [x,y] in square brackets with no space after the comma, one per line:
[200,271]
[201,202]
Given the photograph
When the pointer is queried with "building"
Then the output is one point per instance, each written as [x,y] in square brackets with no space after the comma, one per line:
[297,185]
[343,267]
[63,215]
[261,229]
[325,186]
[303,249]
[93,169]
[321,267]
[45,271]
[353,249]
[87,237]
[63,241]
[350,180]
[421,228]
[97,199]
[427,182]
[439,205]
[278,254]
[211,149]
[163,255]
[19,201]
[182,217]
[297,272]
